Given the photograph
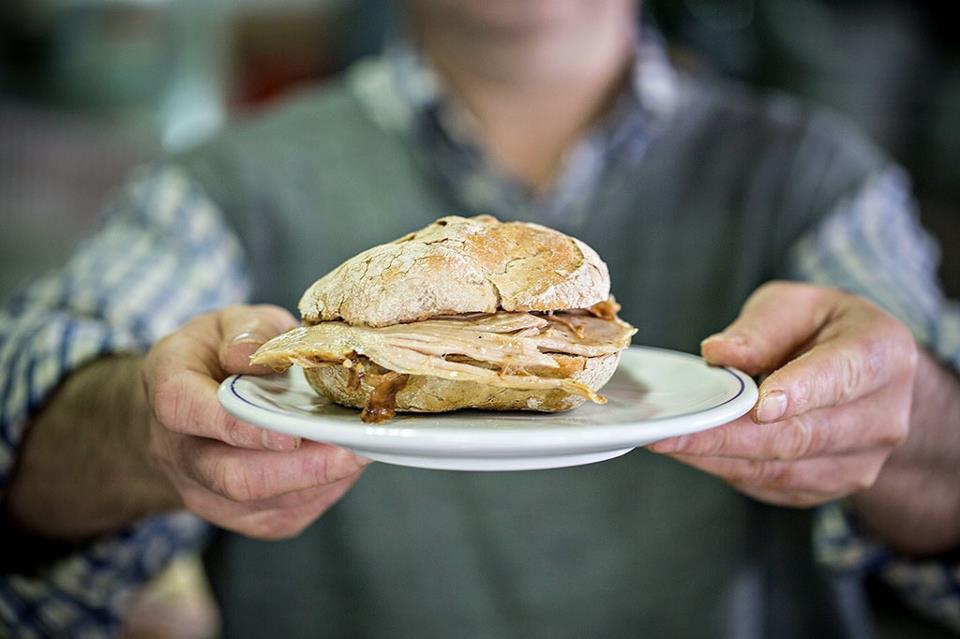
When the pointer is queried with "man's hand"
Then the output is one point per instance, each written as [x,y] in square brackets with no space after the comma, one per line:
[834,405]
[238,476]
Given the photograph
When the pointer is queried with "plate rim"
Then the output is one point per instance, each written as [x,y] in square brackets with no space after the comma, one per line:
[523,440]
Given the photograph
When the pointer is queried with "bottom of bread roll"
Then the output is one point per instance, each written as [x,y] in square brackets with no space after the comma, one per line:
[428,394]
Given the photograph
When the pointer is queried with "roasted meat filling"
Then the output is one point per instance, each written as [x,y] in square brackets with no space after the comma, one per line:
[515,350]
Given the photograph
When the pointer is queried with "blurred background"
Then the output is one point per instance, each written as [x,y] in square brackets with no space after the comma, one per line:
[89,88]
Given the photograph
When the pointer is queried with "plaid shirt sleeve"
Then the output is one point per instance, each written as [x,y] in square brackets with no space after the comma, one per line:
[162,255]
[873,245]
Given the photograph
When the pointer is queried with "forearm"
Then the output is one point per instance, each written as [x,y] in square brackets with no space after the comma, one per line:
[914,506]
[84,467]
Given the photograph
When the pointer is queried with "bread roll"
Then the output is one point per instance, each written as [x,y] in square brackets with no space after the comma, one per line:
[460,265]
[426,394]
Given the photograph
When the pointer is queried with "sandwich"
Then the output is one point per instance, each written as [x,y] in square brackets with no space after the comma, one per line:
[465,313]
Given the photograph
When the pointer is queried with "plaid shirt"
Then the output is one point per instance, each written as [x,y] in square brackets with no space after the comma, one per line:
[165,254]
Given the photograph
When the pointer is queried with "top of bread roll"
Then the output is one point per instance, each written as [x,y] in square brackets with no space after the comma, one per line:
[460,265]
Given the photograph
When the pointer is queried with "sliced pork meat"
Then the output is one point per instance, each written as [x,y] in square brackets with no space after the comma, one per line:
[506,349]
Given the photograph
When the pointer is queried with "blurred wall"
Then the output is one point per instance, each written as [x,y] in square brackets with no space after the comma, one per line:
[89,88]
[891,66]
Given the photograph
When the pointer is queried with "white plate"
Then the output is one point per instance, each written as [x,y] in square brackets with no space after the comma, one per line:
[654,394]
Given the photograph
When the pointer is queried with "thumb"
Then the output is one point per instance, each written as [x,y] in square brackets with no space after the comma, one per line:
[243,329]
[778,320]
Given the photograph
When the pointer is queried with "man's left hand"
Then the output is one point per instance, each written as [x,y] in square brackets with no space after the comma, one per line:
[834,405]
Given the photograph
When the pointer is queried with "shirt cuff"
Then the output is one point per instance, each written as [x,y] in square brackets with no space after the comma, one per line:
[929,586]
[40,348]
[85,593]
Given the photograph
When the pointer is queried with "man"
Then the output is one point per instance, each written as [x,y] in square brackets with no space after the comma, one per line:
[696,193]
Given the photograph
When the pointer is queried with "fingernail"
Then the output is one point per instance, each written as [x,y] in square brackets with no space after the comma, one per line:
[248,337]
[726,338]
[671,445]
[278,441]
[772,406]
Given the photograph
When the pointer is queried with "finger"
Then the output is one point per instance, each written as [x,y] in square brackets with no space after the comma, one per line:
[181,375]
[244,329]
[193,347]
[861,355]
[875,422]
[185,402]
[824,478]
[242,475]
[776,321]
[791,499]
[279,518]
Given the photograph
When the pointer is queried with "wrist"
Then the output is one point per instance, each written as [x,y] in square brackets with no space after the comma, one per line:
[914,506]
[154,490]
[83,467]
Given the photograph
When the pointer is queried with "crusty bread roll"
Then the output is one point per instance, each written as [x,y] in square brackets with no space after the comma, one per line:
[465,313]
[460,265]
[426,394]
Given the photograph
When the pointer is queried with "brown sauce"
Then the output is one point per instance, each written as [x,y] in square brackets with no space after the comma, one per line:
[356,368]
[382,403]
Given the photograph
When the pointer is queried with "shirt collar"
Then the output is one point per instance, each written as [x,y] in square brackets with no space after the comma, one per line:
[404,96]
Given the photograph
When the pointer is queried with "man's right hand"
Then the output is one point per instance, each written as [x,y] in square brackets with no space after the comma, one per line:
[235,475]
